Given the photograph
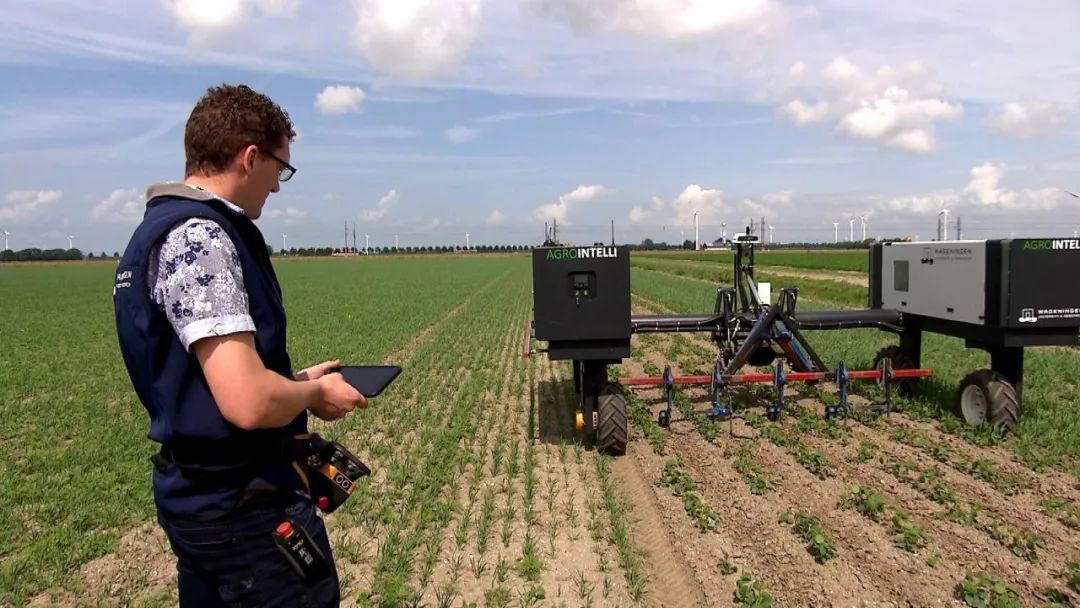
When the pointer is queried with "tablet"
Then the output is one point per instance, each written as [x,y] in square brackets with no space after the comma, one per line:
[369,380]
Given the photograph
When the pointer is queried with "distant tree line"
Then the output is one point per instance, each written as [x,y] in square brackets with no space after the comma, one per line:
[34,254]
[420,249]
[841,245]
[53,255]
[650,245]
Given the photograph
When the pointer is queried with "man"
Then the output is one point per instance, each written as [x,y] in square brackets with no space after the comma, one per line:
[202,330]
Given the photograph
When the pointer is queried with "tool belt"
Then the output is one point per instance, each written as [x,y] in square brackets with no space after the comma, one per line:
[327,469]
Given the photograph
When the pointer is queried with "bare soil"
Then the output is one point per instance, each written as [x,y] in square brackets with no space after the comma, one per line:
[142,566]
[868,569]
[851,278]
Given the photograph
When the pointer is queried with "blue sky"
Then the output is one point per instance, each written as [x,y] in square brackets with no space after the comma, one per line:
[428,120]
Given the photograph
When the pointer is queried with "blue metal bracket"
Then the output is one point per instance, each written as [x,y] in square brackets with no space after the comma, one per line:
[842,380]
[779,381]
[718,385]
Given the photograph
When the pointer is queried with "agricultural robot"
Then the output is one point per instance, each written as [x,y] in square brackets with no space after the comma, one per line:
[998,295]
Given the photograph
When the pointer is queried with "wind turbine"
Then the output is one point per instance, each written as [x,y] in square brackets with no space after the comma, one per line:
[283,248]
[944,232]
[6,235]
[367,244]
[851,226]
[835,232]
[466,241]
[770,234]
[71,239]
[723,231]
[1074,195]
[696,239]
[863,218]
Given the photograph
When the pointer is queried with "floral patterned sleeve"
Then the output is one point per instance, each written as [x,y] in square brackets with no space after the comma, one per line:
[198,282]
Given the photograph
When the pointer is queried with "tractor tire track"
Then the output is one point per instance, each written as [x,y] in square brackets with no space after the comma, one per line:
[671,583]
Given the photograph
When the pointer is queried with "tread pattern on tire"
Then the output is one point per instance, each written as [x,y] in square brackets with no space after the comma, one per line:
[611,433]
[1000,395]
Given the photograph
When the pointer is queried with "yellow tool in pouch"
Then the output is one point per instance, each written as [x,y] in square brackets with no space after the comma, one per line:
[329,471]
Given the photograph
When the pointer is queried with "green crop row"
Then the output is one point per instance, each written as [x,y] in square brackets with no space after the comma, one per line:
[813,461]
[1048,433]
[903,531]
[808,528]
[854,260]
[930,482]
[682,485]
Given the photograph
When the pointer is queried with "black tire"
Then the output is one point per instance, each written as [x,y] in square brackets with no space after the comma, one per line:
[611,433]
[987,396]
[900,360]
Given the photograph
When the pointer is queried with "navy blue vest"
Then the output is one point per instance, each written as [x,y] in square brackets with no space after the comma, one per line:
[169,381]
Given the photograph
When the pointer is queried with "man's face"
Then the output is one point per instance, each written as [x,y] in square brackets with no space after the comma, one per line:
[263,178]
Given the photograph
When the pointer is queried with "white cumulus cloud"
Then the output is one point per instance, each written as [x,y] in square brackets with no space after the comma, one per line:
[802,113]
[383,207]
[495,218]
[339,99]
[208,14]
[416,39]
[122,206]
[768,205]
[1029,120]
[921,204]
[559,211]
[24,204]
[895,107]
[984,190]
[663,19]
[679,212]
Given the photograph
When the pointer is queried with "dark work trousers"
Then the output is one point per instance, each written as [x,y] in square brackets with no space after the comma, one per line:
[235,562]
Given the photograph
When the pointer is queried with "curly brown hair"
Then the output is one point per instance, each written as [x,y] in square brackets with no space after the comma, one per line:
[226,120]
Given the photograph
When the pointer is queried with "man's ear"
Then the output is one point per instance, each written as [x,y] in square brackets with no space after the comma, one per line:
[248,158]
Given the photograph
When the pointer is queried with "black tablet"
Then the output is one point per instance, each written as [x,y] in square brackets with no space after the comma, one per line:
[369,380]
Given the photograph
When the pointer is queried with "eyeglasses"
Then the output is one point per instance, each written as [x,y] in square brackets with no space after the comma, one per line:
[287,170]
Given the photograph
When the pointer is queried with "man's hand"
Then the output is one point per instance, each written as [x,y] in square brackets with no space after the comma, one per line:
[338,397]
[253,397]
[316,371]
